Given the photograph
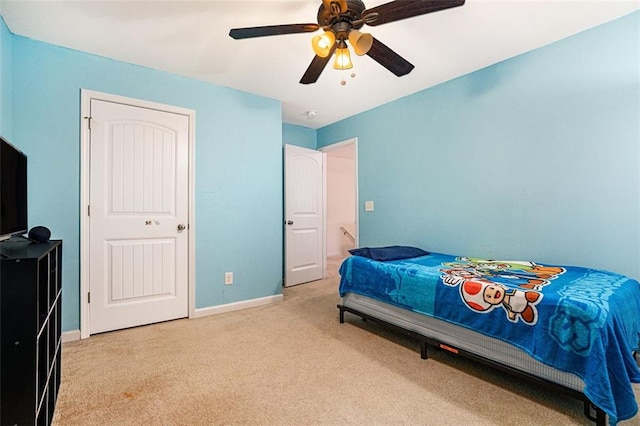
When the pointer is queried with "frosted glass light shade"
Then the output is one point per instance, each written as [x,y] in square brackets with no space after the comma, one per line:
[343,59]
[361,42]
[322,44]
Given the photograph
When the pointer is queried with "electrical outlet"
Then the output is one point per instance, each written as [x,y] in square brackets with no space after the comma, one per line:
[228,278]
[368,206]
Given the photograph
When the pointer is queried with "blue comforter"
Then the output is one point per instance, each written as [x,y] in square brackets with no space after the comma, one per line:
[578,320]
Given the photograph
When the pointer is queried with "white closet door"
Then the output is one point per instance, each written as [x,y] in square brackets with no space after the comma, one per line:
[139,203]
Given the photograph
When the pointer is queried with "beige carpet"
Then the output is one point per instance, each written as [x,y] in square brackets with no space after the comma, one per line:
[290,363]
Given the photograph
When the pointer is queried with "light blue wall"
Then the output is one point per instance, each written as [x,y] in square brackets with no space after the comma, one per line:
[293,134]
[5,80]
[238,166]
[537,157]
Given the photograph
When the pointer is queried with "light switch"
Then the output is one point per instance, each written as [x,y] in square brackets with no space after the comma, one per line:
[368,206]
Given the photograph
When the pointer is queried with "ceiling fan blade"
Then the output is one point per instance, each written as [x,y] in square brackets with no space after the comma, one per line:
[316,67]
[402,9]
[250,32]
[389,59]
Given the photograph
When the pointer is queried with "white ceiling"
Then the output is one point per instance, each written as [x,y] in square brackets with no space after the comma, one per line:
[190,38]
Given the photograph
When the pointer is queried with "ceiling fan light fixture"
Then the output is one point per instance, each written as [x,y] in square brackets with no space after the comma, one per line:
[343,58]
[322,44]
[361,42]
[341,19]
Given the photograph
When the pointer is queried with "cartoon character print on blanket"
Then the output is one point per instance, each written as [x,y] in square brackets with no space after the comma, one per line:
[513,285]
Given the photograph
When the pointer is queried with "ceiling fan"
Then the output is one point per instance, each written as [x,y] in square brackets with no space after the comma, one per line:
[341,20]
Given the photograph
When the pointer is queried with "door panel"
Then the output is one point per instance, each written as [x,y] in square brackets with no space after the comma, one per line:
[140,269]
[138,197]
[304,215]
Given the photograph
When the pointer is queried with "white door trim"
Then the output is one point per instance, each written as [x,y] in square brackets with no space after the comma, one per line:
[86,97]
[338,145]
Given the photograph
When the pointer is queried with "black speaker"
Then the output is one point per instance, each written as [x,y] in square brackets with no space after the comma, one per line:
[39,234]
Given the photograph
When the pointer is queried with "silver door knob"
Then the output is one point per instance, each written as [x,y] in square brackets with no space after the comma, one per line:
[181,227]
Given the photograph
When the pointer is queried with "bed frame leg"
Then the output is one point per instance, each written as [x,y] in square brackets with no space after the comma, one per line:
[341,314]
[595,414]
[601,417]
[423,350]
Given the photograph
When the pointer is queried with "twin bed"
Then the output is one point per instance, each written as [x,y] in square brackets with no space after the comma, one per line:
[571,328]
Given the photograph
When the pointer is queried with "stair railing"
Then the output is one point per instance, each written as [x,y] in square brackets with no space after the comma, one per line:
[347,234]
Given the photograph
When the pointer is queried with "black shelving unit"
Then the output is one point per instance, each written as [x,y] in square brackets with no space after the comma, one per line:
[30,331]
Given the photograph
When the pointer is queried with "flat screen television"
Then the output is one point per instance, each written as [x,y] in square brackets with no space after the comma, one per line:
[13,191]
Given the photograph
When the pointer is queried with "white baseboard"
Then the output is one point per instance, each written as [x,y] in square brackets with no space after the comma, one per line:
[73,335]
[230,307]
[70,336]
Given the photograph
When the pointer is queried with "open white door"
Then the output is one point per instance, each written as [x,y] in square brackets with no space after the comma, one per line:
[304,215]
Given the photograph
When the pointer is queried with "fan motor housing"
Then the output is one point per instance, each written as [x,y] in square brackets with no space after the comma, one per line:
[326,17]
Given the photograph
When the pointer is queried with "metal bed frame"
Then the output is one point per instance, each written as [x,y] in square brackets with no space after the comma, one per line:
[591,411]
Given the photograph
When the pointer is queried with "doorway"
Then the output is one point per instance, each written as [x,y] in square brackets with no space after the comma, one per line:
[321,209]
[341,203]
